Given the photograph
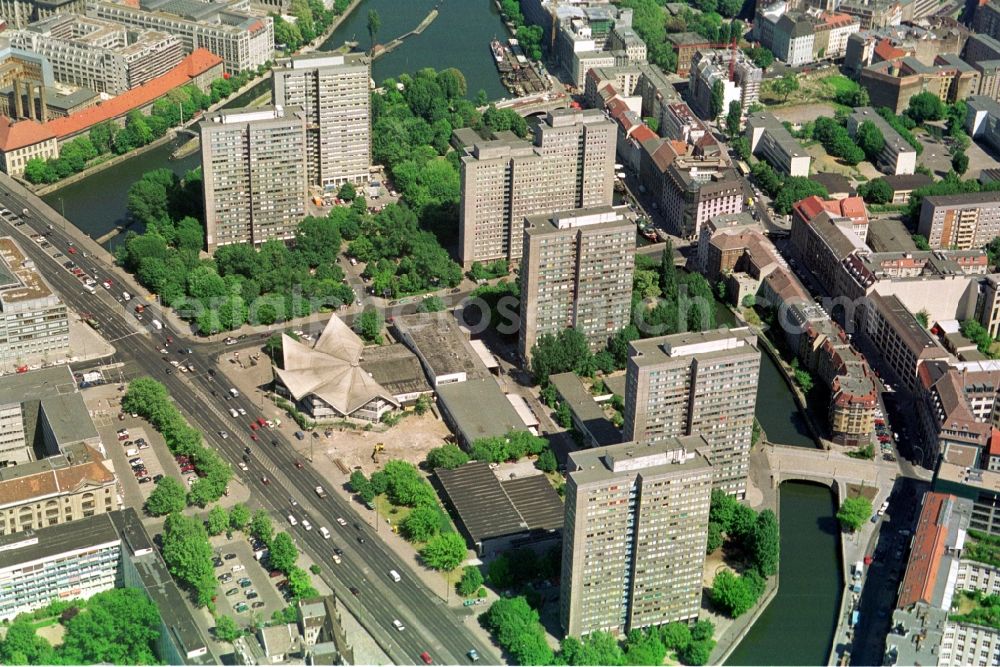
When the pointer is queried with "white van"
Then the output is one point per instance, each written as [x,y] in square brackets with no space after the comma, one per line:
[325,532]
[126,296]
[234,391]
[398,625]
[131,452]
[90,288]
[233,412]
[292,521]
[157,324]
[395,576]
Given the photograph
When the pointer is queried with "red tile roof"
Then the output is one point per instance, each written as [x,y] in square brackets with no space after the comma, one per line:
[995,442]
[886,51]
[643,133]
[925,557]
[14,135]
[809,208]
[199,62]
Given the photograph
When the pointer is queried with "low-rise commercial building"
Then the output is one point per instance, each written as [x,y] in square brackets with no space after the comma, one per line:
[770,140]
[477,408]
[443,347]
[498,516]
[897,155]
[932,37]
[903,185]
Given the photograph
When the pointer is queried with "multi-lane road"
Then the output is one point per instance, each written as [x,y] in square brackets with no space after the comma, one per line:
[430,625]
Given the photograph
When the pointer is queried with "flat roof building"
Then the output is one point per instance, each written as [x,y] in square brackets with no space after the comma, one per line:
[569,165]
[897,155]
[692,384]
[497,516]
[33,319]
[634,535]
[333,93]
[254,175]
[588,417]
[576,273]
[442,346]
[770,140]
[477,408]
[243,41]
[962,221]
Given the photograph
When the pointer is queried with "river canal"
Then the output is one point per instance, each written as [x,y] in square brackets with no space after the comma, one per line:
[459,37]
[797,627]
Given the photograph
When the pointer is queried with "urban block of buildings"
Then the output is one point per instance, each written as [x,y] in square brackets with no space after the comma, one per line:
[316,637]
[939,571]
[22,140]
[798,38]
[333,93]
[634,535]
[963,221]
[599,35]
[255,177]
[95,554]
[576,272]
[692,384]
[99,55]
[770,140]
[688,173]
[226,28]
[570,164]
[891,83]
[923,40]
[714,65]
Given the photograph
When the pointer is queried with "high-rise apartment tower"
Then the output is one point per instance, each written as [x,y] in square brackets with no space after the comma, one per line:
[634,535]
[333,92]
[697,384]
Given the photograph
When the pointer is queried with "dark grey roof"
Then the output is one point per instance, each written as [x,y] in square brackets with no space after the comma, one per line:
[586,409]
[908,181]
[479,409]
[833,183]
[51,541]
[488,509]
[396,368]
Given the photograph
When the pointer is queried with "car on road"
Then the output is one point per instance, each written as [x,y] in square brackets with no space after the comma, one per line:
[265,480]
[361,540]
[354,591]
[396,623]
[338,551]
[426,657]
[473,655]
[341,521]
[336,559]
[325,532]
[294,502]
[292,520]
[298,464]
[223,434]
[243,466]
[306,524]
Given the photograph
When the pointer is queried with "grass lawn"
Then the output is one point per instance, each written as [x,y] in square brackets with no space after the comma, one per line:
[45,622]
[840,83]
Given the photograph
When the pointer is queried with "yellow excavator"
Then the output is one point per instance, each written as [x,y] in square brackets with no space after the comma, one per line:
[378,448]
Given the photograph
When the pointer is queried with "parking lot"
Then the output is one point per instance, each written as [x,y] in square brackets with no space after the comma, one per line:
[246,592]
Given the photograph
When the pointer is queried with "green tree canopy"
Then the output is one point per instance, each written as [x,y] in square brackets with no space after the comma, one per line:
[188,555]
[445,551]
[169,496]
[448,456]
[854,512]
[283,553]
[471,581]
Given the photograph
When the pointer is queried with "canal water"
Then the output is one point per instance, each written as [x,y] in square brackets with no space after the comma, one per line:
[797,627]
[459,37]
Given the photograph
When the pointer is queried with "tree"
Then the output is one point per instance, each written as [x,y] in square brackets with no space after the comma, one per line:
[697,653]
[732,594]
[734,119]
[516,627]
[239,517]
[925,106]
[347,192]
[470,582]
[369,325]
[283,553]
[761,56]
[360,485]
[960,162]
[675,636]
[869,139]
[22,647]
[566,351]
[300,585]
[993,251]
[920,241]
[547,461]
[188,555]
[444,552]
[717,99]
[261,527]
[785,86]
[431,304]
[765,544]
[226,629]
[168,496]
[876,191]
[742,525]
[854,512]
[702,630]
[722,509]
[644,648]
[374,24]
[596,648]
[448,456]
[714,537]
[422,523]
[119,626]
[218,520]
[564,416]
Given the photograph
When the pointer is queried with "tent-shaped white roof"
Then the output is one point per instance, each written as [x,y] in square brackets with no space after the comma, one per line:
[330,370]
